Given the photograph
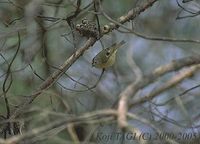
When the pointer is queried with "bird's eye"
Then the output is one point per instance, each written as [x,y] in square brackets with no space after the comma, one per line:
[107,53]
[94,61]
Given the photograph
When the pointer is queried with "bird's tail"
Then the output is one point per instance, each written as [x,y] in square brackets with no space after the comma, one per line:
[118,45]
[121,43]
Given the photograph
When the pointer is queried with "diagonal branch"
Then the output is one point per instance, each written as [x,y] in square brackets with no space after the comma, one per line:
[169,84]
[133,88]
[66,65]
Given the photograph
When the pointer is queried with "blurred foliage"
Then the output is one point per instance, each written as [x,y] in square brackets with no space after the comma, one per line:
[47,41]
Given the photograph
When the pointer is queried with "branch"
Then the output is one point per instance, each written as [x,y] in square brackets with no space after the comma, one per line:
[94,117]
[169,84]
[133,88]
[66,65]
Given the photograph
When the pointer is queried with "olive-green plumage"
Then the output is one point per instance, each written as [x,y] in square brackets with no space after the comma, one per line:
[106,57]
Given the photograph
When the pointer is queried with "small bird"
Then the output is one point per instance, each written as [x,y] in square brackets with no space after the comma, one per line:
[106,57]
